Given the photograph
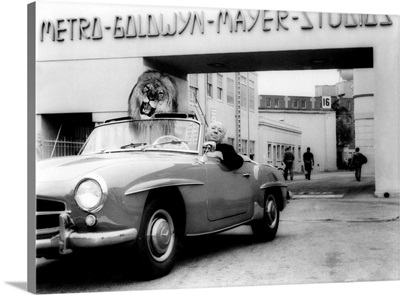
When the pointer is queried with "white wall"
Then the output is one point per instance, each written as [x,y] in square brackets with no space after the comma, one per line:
[274,133]
[86,85]
[318,131]
[364,102]
[93,86]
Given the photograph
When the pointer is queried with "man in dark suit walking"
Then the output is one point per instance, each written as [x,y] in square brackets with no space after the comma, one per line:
[357,161]
[308,159]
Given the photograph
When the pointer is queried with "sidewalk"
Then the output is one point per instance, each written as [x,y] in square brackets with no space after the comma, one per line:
[336,184]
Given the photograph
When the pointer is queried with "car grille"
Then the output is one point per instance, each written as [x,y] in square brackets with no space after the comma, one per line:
[47,212]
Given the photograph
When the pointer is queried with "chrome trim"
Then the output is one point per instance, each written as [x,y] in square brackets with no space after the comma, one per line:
[68,239]
[49,230]
[90,240]
[100,180]
[154,149]
[158,183]
[219,230]
[273,184]
[46,231]
[104,192]
[43,213]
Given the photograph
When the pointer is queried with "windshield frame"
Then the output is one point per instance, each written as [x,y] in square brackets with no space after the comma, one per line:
[149,148]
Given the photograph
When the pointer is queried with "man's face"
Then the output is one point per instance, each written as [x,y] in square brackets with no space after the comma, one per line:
[215,132]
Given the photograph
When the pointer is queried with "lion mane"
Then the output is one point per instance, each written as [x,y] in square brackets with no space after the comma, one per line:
[154,92]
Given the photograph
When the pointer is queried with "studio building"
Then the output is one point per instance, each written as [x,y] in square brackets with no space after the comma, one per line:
[87,58]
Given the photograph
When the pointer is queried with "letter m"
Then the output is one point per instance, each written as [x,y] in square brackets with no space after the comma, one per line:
[48,28]
[224,16]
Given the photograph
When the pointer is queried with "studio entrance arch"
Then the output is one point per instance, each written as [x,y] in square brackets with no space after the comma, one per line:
[102,49]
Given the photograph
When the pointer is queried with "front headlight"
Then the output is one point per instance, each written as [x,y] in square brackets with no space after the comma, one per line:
[89,195]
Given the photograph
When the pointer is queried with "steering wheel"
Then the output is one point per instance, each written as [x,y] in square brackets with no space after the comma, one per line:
[167,138]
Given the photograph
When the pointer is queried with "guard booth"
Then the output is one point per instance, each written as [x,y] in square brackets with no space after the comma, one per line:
[88,57]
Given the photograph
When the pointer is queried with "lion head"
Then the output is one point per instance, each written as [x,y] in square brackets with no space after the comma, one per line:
[154,92]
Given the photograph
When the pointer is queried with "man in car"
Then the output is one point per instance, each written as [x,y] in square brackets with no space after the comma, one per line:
[215,134]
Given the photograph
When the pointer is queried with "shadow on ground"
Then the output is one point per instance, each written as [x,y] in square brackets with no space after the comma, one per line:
[105,271]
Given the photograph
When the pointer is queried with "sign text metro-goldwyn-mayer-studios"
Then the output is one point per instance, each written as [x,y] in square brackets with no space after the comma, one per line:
[140,26]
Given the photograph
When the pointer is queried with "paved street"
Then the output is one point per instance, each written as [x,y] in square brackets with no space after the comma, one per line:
[334,183]
[334,230]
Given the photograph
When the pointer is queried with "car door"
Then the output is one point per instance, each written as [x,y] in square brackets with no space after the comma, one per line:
[229,192]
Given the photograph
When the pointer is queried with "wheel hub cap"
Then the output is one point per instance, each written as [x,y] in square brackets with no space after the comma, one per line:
[161,236]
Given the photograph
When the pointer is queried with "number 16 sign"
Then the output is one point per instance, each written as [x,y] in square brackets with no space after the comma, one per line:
[326,102]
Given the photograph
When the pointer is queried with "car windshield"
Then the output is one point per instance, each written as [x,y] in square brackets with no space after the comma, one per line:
[144,135]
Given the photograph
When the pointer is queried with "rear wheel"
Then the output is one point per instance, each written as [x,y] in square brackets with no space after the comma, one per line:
[157,239]
[266,228]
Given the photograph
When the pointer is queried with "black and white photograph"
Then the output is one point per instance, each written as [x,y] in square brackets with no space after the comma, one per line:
[206,147]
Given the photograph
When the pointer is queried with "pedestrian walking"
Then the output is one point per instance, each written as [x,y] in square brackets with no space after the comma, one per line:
[308,159]
[288,159]
[357,161]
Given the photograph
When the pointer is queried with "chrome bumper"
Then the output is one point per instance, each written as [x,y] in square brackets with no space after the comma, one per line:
[68,239]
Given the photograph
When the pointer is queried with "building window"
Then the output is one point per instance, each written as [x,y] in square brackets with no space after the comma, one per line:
[243,94]
[230,98]
[219,87]
[213,115]
[269,151]
[209,85]
[276,103]
[299,154]
[251,96]
[244,147]
[303,104]
[251,84]
[243,78]
[252,145]
[194,80]
[268,102]
[193,92]
[295,104]
[349,105]
[278,150]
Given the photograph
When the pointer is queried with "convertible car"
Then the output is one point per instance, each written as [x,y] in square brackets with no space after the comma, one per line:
[146,185]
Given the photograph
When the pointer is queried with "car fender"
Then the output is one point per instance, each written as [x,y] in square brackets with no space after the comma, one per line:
[282,187]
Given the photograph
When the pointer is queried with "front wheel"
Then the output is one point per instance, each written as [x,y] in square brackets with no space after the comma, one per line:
[157,240]
[265,229]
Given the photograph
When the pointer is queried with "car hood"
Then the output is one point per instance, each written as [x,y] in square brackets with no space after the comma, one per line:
[68,168]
